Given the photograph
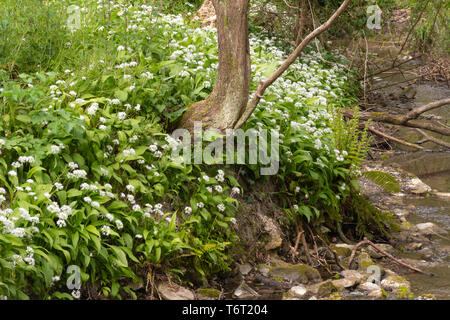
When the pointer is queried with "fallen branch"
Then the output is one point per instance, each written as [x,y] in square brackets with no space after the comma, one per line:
[408,120]
[381,134]
[367,241]
[433,139]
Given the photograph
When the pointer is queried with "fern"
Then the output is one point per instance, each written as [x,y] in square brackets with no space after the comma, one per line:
[383,179]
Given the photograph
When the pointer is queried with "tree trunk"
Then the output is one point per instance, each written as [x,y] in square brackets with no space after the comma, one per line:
[224,106]
[301,22]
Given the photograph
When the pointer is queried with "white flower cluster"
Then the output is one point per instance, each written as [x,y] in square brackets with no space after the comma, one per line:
[62,213]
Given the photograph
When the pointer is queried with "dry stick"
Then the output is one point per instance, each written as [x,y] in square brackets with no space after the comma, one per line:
[285,65]
[379,133]
[393,67]
[433,139]
[367,241]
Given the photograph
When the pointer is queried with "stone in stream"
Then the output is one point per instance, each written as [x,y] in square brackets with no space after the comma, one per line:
[418,187]
[174,292]
[345,283]
[298,291]
[368,286]
[244,292]
[298,272]
[393,283]
[377,294]
[208,294]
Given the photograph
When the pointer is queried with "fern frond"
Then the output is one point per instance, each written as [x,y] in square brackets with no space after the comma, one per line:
[383,179]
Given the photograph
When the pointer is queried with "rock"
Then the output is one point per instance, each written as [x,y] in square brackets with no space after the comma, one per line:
[429,228]
[376,254]
[401,213]
[426,253]
[244,292]
[136,285]
[245,268]
[313,298]
[353,274]
[208,294]
[418,187]
[393,283]
[323,288]
[377,294]
[287,296]
[368,286]
[298,291]
[298,272]
[263,269]
[274,239]
[367,265]
[174,292]
[413,246]
[345,283]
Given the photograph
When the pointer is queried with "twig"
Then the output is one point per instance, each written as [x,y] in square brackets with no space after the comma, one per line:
[367,241]
[336,258]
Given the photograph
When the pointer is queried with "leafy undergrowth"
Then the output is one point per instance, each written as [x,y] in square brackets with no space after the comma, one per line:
[86,170]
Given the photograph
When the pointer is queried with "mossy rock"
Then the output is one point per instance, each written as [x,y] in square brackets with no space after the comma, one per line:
[393,283]
[365,262]
[208,294]
[299,272]
[324,288]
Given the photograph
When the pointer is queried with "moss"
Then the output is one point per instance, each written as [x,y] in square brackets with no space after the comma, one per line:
[398,279]
[327,288]
[209,292]
[335,296]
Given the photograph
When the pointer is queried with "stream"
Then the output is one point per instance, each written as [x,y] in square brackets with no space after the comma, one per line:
[431,166]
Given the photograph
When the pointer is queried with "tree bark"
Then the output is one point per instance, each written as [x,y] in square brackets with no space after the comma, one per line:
[224,106]
[301,22]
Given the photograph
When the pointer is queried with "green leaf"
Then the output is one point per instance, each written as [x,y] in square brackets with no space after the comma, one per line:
[92,229]
[121,257]
[121,95]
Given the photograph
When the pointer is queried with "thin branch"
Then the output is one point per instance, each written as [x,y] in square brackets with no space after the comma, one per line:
[433,139]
